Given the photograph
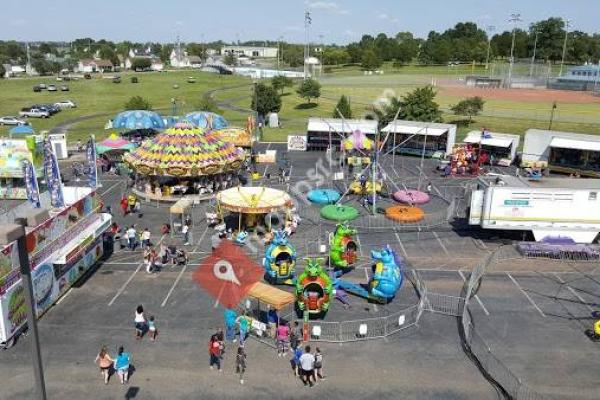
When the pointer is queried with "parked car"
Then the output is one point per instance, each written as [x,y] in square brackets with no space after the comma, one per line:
[59,79]
[46,107]
[116,79]
[87,76]
[65,104]
[64,88]
[42,86]
[33,113]
[37,88]
[191,79]
[12,121]
[51,88]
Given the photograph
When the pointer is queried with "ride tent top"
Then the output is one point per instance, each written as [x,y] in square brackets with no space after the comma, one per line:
[206,120]
[323,196]
[137,119]
[336,212]
[253,200]
[114,143]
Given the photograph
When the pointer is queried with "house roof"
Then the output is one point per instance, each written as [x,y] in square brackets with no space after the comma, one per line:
[98,63]
[341,125]
[194,59]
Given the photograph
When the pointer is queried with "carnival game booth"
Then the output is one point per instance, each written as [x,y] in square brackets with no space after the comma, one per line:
[324,132]
[12,154]
[414,138]
[501,148]
[184,160]
[255,205]
[563,152]
[63,244]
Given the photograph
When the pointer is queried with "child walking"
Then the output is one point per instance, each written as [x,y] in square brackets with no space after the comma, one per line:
[152,329]
[318,365]
[240,363]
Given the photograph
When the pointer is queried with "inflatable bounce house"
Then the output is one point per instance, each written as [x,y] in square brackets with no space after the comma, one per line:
[280,260]
[314,288]
[386,279]
[343,247]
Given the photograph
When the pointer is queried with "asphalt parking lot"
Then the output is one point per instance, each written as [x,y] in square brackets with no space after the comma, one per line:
[531,312]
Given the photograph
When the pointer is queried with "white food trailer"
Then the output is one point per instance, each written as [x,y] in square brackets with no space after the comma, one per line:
[550,207]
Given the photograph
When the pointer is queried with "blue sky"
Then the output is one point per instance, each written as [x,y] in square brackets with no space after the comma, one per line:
[337,21]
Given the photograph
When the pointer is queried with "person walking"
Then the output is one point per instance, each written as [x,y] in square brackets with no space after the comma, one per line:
[240,363]
[145,238]
[153,332]
[307,365]
[243,326]
[139,321]
[137,208]
[214,352]
[131,199]
[283,338]
[273,320]
[122,365]
[123,204]
[318,365]
[295,361]
[185,230]
[132,237]
[105,363]
[295,335]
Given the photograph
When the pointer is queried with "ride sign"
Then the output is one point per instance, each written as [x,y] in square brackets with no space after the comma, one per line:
[227,274]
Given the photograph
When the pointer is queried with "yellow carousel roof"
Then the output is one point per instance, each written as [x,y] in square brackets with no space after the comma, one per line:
[238,136]
[253,200]
[185,151]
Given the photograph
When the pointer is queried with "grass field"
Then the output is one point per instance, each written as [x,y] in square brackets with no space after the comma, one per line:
[100,99]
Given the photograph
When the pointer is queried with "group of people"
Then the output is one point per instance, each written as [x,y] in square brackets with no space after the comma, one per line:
[216,352]
[130,205]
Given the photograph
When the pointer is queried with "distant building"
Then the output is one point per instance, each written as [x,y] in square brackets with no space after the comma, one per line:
[583,77]
[250,51]
[88,65]
[11,70]
[181,59]
[155,62]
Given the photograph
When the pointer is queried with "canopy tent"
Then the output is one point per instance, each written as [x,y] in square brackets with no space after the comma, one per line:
[276,298]
[253,200]
[565,143]
[238,136]
[415,128]
[206,120]
[22,130]
[358,141]
[185,151]
[114,143]
[495,140]
[137,119]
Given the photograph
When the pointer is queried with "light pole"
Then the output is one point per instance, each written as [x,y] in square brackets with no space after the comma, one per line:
[514,18]
[534,51]
[562,61]
[490,29]
[279,56]
[8,234]
[554,106]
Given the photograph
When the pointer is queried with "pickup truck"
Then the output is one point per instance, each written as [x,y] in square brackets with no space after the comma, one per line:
[34,113]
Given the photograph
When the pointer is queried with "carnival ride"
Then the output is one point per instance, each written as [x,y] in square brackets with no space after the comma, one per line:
[343,247]
[314,288]
[280,260]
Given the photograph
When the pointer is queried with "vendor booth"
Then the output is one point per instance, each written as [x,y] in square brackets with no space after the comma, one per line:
[12,154]
[323,132]
[564,152]
[414,137]
[501,148]
[63,244]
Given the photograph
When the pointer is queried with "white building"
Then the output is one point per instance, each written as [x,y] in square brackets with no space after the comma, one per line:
[502,146]
[13,70]
[181,59]
[565,152]
[250,51]
[550,207]
[414,137]
[88,65]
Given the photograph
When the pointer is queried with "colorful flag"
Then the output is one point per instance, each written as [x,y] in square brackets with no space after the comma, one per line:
[31,184]
[52,173]
[91,159]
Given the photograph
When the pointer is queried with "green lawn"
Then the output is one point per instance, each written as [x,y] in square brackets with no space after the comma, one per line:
[101,96]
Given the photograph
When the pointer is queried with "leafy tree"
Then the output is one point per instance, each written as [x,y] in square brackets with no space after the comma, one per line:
[418,105]
[292,54]
[165,53]
[280,82]
[139,63]
[407,48]
[370,60]
[44,67]
[197,49]
[354,52]
[551,34]
[335,56]
[502,43]
[2,71]
[208,104]
[309,89]
[229,59]
[342,109]
[106,52]
[137,103]
[265,100]
[470,106]
[45,48]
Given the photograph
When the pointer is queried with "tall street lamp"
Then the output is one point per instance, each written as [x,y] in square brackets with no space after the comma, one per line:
[8,234]
[534,51]
[490,29]
[562,61]
[514,18]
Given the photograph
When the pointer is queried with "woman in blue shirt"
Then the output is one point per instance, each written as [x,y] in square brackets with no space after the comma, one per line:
[122,365]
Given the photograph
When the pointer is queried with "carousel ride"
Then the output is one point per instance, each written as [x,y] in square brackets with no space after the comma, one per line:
[184,159]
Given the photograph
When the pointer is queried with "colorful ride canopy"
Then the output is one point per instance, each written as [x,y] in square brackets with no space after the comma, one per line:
[206,120]
[138,119]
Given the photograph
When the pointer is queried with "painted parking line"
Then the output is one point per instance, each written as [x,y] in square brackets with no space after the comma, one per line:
[360,250]
[526,295]
[401,245]
[476,296]
[174,285]
[200,240]
[110,188]
[573,292]
[441,243]
[481,243]
[122,289]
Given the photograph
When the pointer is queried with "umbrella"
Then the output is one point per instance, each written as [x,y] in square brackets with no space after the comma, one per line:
[22,130]
[138,119]
[205,120]
[114,143]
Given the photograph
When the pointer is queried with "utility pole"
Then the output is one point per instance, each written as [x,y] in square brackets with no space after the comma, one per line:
[534,51]
[562,61]
[554,106]
[490,29]
[514,18]
[307,23]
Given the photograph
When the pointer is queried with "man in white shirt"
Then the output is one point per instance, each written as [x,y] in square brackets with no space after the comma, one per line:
[131,237]
[186,234]
[307,365]
[145,238]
